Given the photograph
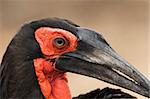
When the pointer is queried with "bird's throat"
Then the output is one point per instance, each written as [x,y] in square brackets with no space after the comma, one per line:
[53,83]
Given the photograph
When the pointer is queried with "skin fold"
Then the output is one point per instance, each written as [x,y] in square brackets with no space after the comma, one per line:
[53,84]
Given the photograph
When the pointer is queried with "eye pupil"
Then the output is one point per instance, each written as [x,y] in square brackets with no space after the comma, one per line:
[59,42]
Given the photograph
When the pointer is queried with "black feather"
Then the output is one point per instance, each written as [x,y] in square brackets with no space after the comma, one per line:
[17,75]
[106,93]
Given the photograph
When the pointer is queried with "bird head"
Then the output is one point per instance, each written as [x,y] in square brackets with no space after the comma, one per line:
[56,46]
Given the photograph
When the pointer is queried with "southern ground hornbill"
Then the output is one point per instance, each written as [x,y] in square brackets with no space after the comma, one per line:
[35,63]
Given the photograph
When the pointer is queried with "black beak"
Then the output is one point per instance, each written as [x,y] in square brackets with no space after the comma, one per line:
[95,58]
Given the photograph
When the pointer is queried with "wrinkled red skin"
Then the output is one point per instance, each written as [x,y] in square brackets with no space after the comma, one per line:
[53,83]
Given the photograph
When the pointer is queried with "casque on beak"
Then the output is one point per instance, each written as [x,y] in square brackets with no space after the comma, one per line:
[95,58]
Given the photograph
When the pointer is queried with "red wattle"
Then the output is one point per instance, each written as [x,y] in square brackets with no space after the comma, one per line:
[53,84]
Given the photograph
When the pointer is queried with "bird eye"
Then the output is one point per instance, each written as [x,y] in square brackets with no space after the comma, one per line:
[59,42]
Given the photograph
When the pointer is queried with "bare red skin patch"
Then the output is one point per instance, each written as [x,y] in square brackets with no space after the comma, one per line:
[45,37]
[53,83]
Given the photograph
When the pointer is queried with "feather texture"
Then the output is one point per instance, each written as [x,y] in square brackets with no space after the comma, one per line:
[17,75]
[106,93]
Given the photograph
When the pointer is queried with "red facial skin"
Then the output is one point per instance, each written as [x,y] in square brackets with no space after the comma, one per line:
[53,83]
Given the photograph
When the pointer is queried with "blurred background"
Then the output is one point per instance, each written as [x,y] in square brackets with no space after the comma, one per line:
[123,23]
